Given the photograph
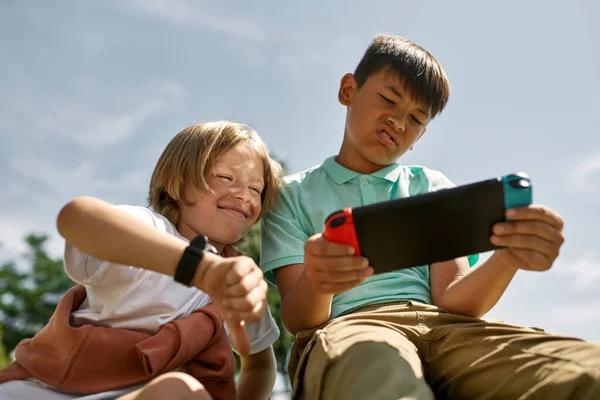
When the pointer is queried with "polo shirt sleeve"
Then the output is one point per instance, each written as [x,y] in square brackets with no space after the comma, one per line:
[282,235]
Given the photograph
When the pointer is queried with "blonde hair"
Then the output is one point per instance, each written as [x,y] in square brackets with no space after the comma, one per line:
[193,152]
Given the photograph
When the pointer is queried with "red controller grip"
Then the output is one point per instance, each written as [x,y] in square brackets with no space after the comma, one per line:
[339,228]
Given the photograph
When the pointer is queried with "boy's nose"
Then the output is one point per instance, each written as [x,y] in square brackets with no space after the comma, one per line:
[397,124]
[242,193]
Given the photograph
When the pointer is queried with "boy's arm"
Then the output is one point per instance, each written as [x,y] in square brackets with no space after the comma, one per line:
[532,239]
[257,375]
[307,289]
[307,269]
[105,232]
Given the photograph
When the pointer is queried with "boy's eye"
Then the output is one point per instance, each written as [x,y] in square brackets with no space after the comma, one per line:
[416,120]
[389,101]
[225,177]
[257,190]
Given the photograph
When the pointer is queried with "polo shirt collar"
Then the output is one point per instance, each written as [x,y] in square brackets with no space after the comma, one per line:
[341,175]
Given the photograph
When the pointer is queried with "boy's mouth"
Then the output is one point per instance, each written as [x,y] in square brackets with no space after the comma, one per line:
[386,136]
[238,212]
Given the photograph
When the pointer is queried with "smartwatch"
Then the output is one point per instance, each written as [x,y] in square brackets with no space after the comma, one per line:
[188,264]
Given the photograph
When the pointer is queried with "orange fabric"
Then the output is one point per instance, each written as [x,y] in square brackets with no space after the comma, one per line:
[92,359]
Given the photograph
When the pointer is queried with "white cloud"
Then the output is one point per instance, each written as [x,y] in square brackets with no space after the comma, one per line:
[67,182]
[90,114]
[206,15]
[16,226]
[586,172]
[584,271]
[56,146]
[92,43]
[343,53]
[576,313]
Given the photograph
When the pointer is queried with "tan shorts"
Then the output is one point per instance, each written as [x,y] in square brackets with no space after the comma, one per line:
[408,350]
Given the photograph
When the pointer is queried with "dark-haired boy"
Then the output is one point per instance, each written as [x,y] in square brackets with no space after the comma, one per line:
[412,332]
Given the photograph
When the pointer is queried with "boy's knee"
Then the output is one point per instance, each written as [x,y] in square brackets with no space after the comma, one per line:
[377,358]
[174,385]
[375,370]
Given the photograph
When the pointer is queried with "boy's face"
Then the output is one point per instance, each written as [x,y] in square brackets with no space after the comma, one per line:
[227,214]
[382,123]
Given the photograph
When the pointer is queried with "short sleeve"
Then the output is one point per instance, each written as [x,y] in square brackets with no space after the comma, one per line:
[85,269]
[282,236]
[437,180]
[261,334]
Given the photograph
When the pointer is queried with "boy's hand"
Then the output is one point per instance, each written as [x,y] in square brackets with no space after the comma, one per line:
[239,291]
[532,237]
[331,267]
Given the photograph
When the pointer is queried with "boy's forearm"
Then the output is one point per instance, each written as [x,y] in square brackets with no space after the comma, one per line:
[303,307]
[478,292]
[257,376]
[105,232]
[255,384]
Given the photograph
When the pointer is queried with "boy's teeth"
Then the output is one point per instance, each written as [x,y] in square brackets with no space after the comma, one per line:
[387,135]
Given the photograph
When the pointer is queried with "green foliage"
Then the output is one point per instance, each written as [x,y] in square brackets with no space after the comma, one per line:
[251,248]
[4,359]
[30,294]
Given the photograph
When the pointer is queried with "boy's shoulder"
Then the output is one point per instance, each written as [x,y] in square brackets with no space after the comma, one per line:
[149,216]
[317,176]
[419,171]
[306,177]
[424,179]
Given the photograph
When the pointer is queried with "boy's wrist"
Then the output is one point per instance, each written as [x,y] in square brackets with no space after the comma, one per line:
[206,264]
[315,293]
[499,260]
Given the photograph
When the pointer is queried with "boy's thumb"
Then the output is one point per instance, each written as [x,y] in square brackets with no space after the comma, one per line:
[239,336]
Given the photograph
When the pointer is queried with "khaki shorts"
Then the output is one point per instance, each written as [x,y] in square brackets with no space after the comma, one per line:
[418,351]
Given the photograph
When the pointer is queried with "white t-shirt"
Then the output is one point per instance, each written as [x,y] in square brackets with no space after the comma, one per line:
[127,297]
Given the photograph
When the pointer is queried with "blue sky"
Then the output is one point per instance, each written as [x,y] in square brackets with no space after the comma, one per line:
[91,92]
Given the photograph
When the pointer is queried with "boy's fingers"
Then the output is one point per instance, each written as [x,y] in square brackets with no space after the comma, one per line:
[343,277]
[242,267]
[529,227]
[239,336]
[340,264]
[317,245]
[255,314]
[529,260]
[245,303]
[536,212]
[526,242]
[247,283]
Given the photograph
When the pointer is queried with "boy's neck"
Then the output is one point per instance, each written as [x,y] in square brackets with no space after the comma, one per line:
[188,233]
[365,168]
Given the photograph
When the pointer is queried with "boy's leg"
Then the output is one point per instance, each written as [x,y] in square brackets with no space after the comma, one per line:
[358,357]
[486,360]
[172,385]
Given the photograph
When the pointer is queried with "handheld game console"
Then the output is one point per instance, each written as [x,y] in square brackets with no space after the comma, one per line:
[429,228]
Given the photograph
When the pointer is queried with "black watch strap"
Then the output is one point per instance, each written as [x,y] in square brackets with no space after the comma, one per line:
[188,264]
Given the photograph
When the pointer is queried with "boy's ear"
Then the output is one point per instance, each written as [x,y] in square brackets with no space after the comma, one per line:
[348,86]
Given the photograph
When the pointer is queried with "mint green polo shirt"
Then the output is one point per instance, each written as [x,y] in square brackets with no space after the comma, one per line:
[310,196]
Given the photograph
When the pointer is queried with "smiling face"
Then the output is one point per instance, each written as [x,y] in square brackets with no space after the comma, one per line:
[383,121]
[227,213]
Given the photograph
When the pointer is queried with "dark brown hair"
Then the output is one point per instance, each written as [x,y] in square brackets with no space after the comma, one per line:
[418,70]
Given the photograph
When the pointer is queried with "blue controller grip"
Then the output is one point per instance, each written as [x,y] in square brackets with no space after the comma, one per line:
[517,190]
